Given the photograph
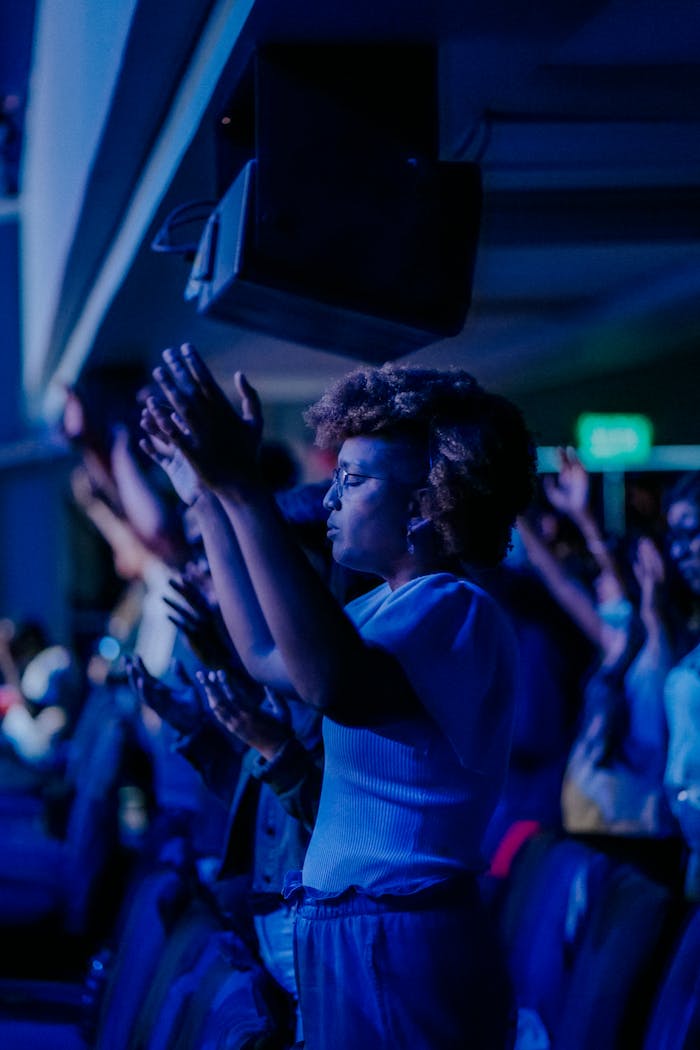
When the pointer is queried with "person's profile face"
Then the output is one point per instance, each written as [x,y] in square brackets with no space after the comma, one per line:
[368,503]
[683,539]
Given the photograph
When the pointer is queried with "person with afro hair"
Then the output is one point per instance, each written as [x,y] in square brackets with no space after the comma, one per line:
[415,679]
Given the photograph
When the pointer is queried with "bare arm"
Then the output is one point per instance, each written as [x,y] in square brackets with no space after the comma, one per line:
[651,577]
[238,601]
[111,527]
[320,647]
[569,493]
[242,615]
[572,598]
[142,505]
[328,664]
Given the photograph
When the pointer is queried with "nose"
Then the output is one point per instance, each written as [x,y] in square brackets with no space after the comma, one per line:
[331,500]
[678,548]
[684,545]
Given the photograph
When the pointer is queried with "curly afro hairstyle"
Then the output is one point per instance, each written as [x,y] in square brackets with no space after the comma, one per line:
[480,453]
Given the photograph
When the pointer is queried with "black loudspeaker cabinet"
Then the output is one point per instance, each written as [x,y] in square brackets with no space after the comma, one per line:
[346,232]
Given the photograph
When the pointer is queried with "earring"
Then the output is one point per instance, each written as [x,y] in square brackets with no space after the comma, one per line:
[415,526]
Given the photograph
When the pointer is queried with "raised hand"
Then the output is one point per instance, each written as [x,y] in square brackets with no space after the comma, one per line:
[220,444]
[157,445]
[82,487]
[180,708]
[649,569]
[568,492]
[201,623]
[245,720]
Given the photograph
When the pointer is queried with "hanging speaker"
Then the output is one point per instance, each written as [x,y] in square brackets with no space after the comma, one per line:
[345,232]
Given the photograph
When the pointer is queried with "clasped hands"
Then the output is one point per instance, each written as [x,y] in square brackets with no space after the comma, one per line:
[194,433]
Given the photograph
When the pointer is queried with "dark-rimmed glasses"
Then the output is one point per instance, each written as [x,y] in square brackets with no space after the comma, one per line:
[340,479]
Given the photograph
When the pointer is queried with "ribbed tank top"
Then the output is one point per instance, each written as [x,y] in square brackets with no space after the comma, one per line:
[402,807]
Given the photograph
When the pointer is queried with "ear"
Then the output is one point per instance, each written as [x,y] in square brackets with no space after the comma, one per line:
[417,527]
[416,503]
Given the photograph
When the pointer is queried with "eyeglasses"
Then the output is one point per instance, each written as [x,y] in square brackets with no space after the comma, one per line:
[341,478]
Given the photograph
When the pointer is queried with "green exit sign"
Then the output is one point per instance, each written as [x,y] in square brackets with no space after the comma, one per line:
[620,439]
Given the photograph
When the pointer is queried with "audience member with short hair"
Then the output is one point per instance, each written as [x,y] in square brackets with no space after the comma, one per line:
[416,679]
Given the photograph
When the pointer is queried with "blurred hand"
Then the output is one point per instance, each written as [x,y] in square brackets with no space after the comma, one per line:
[586,767]
[568,492]
[202,624]
[8,631]
[220,444]
[180,708]
[649,569]
[82,487]
[257,728]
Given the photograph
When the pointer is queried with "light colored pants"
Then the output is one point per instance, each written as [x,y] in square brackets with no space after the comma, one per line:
[380,975]
[275,933]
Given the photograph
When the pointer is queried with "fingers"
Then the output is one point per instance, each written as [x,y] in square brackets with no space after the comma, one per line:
[568,457]
[179,370]
[220,690]
[130,670]
[562,457]
[180,401]
[156,420]
[277,707]
[192,594]
[648,559]
[159,442]
[590,746]
[197,371]
[137,675]
[187,615]
[181,625]
[167,427]
[220,700]
[550,487]
[147,445]
[183,428]
[181,673]
[648,553]
[251,409]
[249,693]
[133,662]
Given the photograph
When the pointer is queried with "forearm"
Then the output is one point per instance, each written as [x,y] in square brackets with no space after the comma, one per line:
[567,593]
[319,646]
[595,543]
[240,609]
[658,640]
[111,528]
[141,505]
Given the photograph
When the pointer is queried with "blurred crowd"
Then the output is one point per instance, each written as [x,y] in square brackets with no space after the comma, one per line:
[227,773]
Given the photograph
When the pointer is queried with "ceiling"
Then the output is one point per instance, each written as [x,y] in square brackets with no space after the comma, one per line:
[585,119]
